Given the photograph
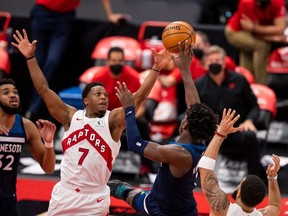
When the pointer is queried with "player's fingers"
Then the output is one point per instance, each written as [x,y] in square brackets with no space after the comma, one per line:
[14,44]
[120,86]
[232,114]
[180,47]
[228,112]
[224,113]
[24,34]
[125,87]
[4,131]
[236,119]
[39,125]
[276,160]
[16,38]
[19,35]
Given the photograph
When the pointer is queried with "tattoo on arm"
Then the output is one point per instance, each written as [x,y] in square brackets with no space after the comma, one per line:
[217,199]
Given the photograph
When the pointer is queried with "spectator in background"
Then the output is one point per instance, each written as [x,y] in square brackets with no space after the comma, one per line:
[197,68]
[252,28]
[220,89]
[51,24]
[5,65]
[115,71]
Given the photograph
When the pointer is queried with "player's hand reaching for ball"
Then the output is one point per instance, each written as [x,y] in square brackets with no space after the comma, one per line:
[184,58]
[161,58]
[23,44]
[124,95]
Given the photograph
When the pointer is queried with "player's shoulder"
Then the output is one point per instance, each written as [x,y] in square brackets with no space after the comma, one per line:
[27,123]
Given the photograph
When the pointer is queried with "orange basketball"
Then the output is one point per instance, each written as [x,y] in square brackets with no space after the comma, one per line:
[175,32]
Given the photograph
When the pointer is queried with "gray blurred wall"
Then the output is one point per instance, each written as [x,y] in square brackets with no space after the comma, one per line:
[139,10]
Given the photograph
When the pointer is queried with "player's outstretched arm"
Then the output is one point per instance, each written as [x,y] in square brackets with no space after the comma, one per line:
[183,62]
[274,195]
[57,108]
[41,152]
[161,153]
[217,199]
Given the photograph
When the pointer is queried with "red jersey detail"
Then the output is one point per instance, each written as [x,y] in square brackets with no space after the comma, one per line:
[59,5]
[89,134]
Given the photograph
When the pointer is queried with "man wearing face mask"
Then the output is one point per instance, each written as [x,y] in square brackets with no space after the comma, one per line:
[114,71]
[221,88]
[252,28]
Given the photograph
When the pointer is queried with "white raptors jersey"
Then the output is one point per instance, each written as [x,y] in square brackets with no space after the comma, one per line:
[89,152]
[236,210]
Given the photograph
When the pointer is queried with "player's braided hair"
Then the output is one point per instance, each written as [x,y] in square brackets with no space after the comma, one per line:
[202,122]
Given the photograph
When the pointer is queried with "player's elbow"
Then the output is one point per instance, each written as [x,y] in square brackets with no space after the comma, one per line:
[49,169]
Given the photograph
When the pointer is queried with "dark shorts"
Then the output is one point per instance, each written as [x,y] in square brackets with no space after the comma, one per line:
[8,206]
[138,202]
[146,205]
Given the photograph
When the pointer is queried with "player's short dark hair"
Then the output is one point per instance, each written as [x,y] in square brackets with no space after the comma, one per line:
[7,81]
[202,122]
[88,87]
[253,190]
[114,49]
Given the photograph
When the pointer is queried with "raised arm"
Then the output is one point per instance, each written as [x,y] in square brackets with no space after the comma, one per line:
[43,153]
[183,62]
[274,196]
[171,154]
[57,108]
[217,199]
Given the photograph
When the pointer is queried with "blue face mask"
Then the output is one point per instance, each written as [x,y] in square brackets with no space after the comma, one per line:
[215,68]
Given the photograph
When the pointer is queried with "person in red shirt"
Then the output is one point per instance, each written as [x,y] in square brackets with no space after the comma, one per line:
[252,28]
[5,65]
[116,71]
[51,24]
[197,68]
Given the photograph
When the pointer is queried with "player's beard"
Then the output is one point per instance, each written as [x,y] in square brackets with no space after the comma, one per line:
[10,110]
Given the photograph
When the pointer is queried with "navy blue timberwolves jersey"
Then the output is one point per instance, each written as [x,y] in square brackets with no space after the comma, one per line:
[173,196]
[10,149]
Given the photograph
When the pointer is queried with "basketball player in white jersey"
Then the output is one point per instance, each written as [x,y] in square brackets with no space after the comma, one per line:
[91,140]
[250,192]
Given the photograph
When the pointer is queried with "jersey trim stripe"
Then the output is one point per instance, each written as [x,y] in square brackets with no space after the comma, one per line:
[12,139]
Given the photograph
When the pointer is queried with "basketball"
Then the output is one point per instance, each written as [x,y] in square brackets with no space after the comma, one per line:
[175,32]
